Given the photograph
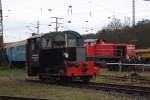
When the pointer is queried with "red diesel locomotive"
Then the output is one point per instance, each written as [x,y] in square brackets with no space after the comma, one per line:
[59,55]
[107,53]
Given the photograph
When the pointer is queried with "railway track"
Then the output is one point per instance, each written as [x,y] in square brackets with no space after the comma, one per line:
[122,88]
[18,98]
[127,89]
[127,78]
[117,88]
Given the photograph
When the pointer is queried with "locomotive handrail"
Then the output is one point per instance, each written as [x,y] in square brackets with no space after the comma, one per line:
[128,64]
[120,65]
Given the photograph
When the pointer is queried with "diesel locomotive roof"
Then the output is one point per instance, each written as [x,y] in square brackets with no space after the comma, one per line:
[36,36]
[60,37]
[73,33]
[57,35]
[70,34]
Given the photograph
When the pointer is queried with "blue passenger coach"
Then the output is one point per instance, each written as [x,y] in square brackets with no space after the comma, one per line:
[16,53]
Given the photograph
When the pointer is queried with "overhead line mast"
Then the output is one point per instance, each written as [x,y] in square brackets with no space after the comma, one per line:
[56,23]
[133,21]
[1,29]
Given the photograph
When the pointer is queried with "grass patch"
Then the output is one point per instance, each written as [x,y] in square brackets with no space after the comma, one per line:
[12,83]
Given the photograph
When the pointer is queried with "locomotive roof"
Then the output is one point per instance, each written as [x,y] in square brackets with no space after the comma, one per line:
[118,44]
[36,36]
[52,34]
[70,34]
[90,40]
[76,34]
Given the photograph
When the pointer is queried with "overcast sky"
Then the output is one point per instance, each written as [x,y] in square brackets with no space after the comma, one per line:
[21,16]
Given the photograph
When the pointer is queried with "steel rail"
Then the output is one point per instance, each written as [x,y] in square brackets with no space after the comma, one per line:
[18,98]
[126,89]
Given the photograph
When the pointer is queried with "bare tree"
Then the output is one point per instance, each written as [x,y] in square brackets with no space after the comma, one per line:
[115,24]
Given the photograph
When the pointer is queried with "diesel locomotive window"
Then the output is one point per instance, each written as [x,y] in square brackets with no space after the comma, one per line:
[32,45]
[81,54]
[72,54]
[71,42]
[46,43]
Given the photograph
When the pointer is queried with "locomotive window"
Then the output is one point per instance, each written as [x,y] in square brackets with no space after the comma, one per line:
[46,43]
[72,54]
[71,42]
[80,54]
[32,45]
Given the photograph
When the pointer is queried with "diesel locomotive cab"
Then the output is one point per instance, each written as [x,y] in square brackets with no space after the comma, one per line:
[59,55]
